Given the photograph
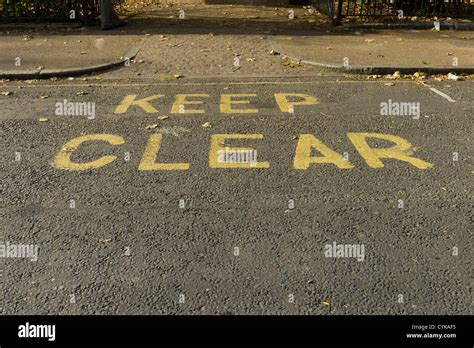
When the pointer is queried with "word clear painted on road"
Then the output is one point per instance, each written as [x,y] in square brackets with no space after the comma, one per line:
[307,144]
[228,103]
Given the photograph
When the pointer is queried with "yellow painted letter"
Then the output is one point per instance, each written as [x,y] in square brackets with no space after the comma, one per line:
[180,102]
[148,161]
[288,106]
[226,104]
[303,157]
[63,158]
[144,103]
[401,151]
[218,146]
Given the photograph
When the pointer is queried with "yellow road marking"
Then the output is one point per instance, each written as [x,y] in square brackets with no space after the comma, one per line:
[227,101]
[217,145]
[148,161]
[400,151]
[247,83]
[181,101]
[63,158]
[303,158]
[288,106]
[144,103]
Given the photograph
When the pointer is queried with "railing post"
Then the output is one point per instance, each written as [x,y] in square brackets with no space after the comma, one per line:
[337,20]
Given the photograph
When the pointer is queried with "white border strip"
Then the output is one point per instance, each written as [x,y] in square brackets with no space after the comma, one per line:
[438,92]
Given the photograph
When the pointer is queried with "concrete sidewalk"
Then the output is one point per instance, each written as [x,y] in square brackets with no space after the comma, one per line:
[64,51]
[223,40]
[417,50]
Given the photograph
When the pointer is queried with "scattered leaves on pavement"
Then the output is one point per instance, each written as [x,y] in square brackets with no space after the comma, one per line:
[395,76]
[290,63]
[167,78]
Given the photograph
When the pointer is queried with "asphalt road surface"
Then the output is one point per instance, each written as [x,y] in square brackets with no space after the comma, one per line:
[137,213]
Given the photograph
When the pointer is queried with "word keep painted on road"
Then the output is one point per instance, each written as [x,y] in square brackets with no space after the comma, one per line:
[229,103]
[401,149]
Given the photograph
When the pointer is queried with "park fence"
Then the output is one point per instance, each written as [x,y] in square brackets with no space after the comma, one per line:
[371,10]
[84,11]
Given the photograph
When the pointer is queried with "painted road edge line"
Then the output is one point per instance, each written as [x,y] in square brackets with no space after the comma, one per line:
[444,95]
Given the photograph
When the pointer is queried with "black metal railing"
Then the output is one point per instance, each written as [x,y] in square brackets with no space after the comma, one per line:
[84,11]
[396,9]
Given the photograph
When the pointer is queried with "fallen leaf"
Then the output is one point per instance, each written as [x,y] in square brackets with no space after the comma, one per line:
[167,78]
[419,75]
[206,125]
[396,75]
[6,93]
[290,63]
[151,126]
[163,117]
[44,96]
